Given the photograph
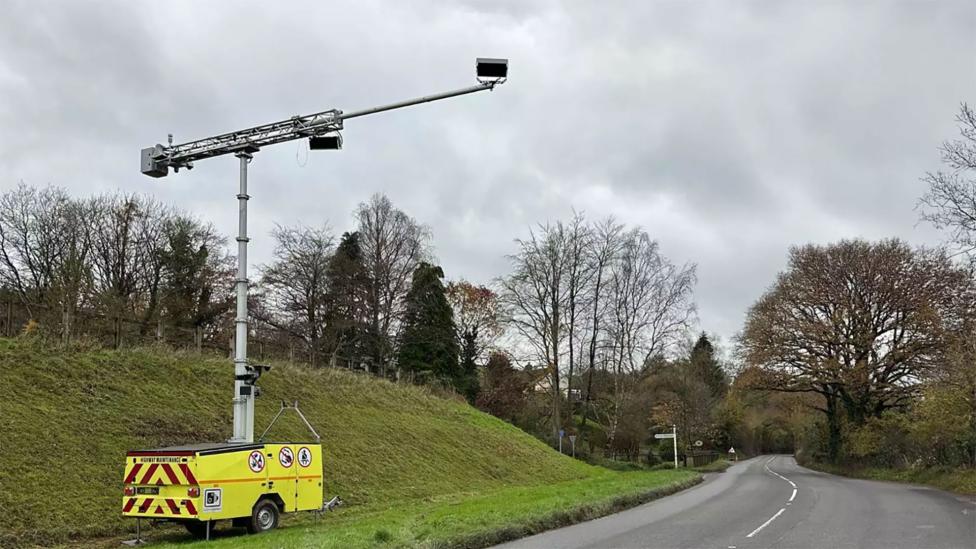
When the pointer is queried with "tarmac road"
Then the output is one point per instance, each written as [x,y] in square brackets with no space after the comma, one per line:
[771,501]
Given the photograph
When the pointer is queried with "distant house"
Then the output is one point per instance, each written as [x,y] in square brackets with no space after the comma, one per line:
[541,382]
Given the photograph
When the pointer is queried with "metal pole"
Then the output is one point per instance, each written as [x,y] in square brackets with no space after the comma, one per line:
[674,439]
[243,392]
[490,85]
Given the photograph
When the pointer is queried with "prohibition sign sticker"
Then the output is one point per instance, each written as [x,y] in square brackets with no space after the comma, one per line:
[304,456]
[256,461]
[286,457]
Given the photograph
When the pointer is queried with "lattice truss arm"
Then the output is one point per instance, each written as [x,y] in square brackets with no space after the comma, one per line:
[156,160]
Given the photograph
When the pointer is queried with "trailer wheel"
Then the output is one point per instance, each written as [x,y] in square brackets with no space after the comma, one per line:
[264,517]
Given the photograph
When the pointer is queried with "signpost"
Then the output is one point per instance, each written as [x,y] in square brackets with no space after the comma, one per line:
[572,440]
[732,452]
[673,435]
[562,433]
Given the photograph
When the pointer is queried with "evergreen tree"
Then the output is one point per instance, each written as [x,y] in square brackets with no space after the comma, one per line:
[345,332]
[428,343]
[705,367]
[193,275]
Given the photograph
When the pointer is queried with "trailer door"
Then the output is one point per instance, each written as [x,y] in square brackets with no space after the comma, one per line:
[282,474]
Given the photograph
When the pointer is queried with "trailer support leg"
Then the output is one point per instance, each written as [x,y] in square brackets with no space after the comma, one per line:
[138,540]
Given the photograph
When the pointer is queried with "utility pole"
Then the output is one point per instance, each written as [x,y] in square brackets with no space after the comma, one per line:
[322,129]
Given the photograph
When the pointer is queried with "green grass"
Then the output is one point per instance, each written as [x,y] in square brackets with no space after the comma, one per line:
[717,466]
[962,481]
[414,468]
[470,520]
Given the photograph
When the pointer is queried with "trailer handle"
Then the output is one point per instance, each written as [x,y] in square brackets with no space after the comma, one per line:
[281,410]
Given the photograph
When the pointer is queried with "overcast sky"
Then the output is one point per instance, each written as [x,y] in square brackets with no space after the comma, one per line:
[728,130]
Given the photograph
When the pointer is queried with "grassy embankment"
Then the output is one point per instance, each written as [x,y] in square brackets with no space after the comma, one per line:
[415,469]
[962,481]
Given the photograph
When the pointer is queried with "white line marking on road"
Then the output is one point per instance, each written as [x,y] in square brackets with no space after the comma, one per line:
[765,524]
[780,512]
[766,466]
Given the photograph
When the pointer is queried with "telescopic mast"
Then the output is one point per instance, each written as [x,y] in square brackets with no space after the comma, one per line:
[322,129]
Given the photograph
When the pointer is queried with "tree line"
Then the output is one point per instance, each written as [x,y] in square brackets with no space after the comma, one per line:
[118,258]
[586,309]
[592,305]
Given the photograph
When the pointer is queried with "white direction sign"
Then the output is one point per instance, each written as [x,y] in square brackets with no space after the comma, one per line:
[664,435]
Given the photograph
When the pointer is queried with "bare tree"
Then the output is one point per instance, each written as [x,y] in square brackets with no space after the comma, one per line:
[73,268]
[579,241]
[602,252]
[152,244]
[45,242]
[296,284]
[950,202]
[392,244]
[119,256]
[28,221]
[534,296]
[651,308]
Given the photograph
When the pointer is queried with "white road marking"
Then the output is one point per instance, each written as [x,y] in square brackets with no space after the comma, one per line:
[766,466]
[780,512]
[765,524]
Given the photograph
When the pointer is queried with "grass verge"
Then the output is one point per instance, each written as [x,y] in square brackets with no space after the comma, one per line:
[469,521]
[718,466]
[961,481]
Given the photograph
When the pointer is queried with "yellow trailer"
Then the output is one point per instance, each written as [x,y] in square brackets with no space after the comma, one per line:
[250,484]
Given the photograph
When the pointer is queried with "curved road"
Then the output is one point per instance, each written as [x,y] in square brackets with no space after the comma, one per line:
[771,501]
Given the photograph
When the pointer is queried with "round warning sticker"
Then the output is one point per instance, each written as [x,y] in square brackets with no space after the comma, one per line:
[286,457]
[256,461]
[304,456]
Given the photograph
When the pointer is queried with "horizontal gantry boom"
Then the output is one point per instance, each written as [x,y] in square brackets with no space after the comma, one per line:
[157,160]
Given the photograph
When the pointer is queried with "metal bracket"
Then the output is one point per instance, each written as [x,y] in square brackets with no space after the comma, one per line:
[331,504]
[281,410]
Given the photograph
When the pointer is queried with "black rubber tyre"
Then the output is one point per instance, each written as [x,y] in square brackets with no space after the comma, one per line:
[264,517]
[198,528]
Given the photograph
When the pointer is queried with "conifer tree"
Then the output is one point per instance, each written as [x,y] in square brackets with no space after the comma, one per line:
[428,343]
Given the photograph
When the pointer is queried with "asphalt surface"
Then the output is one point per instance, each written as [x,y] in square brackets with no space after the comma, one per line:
[771,501]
